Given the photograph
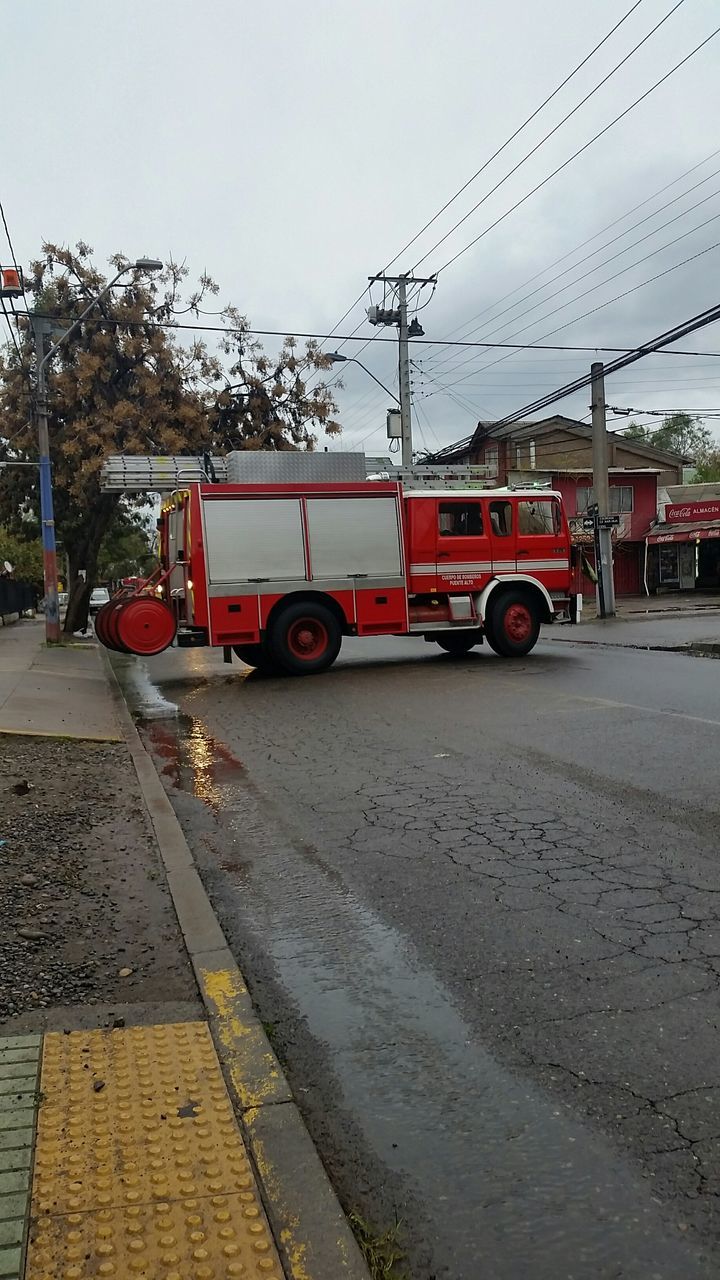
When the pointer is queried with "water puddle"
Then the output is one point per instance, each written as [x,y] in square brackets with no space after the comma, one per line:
[192,760]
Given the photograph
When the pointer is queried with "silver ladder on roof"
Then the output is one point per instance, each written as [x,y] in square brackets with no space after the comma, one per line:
[437,477]
[143,473]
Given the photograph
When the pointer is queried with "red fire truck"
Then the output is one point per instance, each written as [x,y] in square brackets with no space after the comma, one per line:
[279,573]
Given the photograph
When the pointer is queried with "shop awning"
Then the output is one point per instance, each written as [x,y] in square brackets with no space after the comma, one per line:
[693,531]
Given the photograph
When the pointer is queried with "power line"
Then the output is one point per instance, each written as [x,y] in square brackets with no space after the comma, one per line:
[489,161]
[704,318]
[574,156]
[284,333]
[9,239]
[541,288]
[528,121]
[600,284]
[551,132]
[12,332]
[700,321]
[618,297]
[608,227]
[6,314]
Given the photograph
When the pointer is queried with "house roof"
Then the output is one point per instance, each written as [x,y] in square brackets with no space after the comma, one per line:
[519,432]
[705,492]
[585,471]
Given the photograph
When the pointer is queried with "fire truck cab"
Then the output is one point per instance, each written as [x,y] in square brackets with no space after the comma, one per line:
[279,573]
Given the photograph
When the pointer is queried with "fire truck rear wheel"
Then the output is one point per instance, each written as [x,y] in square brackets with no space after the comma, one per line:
[458,643]
[304,638]
[513,625]
[254,655]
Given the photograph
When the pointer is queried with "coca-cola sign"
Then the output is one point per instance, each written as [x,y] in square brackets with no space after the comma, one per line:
[680,511]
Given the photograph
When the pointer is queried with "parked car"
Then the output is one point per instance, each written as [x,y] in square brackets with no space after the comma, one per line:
[98,597]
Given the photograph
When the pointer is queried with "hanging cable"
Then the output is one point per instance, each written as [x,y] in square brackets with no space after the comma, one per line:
[608,227]
[574,156]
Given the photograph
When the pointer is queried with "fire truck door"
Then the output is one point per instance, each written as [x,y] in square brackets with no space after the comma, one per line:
[540,544]
[463,558]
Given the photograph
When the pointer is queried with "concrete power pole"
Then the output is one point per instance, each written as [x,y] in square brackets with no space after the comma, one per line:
[404,375]
[601,486]
[399,316]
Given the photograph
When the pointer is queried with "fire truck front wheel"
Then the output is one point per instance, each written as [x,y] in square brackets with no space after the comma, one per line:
[512,626]
[304,638]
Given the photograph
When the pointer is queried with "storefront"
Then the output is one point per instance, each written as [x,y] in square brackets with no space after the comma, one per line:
[683,553]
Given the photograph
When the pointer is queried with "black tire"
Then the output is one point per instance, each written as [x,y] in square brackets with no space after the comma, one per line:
[304,638]
[458,643]
[257,656]
[513,623]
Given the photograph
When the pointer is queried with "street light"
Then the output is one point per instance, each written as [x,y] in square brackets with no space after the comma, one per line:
[335,358]
[41,327]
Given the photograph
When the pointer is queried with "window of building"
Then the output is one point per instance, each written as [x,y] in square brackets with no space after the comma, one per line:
[621,498]
[541,516]
[460,520]
[518,456]
[501,518]
[532,455]
[492,458]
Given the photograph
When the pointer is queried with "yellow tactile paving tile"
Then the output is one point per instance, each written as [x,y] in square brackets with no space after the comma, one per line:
[140,1168]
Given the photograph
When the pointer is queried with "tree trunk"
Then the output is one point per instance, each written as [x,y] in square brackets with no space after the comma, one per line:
[83,554]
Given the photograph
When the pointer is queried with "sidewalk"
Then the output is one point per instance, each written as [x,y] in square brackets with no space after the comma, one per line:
[670,604]
[146,1127]
[685,631]
[59,692]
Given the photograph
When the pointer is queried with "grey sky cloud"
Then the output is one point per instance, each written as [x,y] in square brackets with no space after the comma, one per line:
[292,150]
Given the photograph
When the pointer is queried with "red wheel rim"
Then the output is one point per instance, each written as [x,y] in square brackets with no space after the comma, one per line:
[145,625]
[112,639]
[307,638]
[100,631]
[518,623]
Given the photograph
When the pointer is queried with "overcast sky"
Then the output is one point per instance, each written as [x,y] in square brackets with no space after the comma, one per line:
[291,150]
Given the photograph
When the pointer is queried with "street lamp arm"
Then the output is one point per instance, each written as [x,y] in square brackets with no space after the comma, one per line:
[372,375]
[76,323]
[336,358]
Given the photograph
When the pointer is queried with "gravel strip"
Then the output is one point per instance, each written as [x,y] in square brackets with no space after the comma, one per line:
[85,915]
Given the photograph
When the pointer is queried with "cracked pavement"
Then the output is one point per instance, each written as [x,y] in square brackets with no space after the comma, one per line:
[532,845]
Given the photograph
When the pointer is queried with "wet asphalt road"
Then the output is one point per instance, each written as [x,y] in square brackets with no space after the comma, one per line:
[478,905]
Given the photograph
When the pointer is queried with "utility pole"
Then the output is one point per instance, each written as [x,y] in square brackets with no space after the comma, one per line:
[47,516]
[603,521]
[399,316]
[404,375]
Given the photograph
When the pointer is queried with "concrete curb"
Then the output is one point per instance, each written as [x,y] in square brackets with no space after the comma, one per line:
[705,648]
[311,1231]
[695,648]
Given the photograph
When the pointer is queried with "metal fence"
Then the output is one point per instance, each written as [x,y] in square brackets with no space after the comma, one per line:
[16,597]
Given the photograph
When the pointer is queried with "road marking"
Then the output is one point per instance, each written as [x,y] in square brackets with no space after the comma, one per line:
[609,704]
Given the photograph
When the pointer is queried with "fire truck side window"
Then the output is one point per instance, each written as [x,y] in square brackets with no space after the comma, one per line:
[542,516]
[460,520]
[501,518]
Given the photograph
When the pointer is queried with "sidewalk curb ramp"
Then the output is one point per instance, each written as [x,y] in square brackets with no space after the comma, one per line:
[311,1231]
